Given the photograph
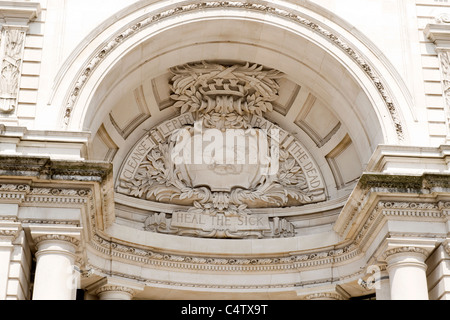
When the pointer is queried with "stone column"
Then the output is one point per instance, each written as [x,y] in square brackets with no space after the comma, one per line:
[55,266]
[407,273]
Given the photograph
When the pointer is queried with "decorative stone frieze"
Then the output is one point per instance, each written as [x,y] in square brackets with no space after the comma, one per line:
[115,288]
[56,237]
[192,262]
[106,292]
[374,187]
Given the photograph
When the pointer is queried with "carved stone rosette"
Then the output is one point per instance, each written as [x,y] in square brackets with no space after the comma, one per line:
[221,101]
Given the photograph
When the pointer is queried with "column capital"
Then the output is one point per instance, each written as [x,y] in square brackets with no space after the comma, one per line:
[330,292]
[115,289]
[58,237]
[65,234]
[404,250]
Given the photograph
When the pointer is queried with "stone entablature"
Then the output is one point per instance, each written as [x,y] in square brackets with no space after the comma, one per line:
[379,201]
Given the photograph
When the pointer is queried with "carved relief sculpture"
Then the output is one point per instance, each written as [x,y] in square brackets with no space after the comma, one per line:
[13,38]
[195,161]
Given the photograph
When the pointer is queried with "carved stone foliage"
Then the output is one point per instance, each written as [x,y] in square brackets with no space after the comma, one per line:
[13,39]
[225,95]
[253,163]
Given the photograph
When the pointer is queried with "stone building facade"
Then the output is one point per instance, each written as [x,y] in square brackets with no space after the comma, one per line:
[154,149]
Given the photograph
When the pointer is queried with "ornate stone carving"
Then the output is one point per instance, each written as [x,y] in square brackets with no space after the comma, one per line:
[108,288]
[324,296]
[132,29]
[443,18]
[10,232]
[13,38]
[222,185]
[56,237]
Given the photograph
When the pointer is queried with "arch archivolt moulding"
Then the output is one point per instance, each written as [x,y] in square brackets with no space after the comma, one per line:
[85,74]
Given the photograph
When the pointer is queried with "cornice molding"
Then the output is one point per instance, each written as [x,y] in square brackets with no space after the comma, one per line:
[153,282]
[252,264]
[19,11]
[439,33]
[47,169]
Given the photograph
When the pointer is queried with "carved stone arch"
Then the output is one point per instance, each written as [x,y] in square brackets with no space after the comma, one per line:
[75,86]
